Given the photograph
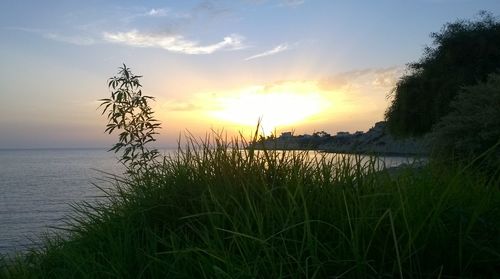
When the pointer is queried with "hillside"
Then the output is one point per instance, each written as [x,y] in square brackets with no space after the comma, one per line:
[376,140]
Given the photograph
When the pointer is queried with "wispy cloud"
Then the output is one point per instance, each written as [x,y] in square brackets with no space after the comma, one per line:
[161,12]
[384,78]
[157,12]
[173,43]
[129,15]
[69,39]
[277,49]
[75,40]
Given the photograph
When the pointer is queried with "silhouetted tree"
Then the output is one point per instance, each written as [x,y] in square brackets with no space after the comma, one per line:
[462,54]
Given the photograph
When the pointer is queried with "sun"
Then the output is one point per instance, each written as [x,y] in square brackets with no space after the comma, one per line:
[276,106]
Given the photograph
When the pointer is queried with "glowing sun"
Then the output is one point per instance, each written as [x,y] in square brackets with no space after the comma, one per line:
[280,105]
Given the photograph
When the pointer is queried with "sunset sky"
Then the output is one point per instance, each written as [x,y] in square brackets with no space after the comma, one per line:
[302,65]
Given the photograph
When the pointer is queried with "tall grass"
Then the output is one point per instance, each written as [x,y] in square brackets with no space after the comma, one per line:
[219,210]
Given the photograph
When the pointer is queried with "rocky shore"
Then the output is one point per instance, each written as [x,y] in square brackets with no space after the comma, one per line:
[376,140]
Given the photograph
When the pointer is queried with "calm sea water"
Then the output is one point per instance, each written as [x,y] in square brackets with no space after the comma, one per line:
[38,186]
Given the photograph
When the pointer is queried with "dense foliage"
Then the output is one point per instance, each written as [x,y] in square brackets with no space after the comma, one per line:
[463,53]
[473,126]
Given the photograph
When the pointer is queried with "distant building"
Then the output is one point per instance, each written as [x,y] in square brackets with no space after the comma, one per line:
[379,126]
[343,134]
[286,135]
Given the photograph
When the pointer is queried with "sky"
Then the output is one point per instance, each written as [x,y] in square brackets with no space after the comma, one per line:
[299,65]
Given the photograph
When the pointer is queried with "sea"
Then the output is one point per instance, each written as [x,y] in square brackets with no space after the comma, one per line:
[39,186]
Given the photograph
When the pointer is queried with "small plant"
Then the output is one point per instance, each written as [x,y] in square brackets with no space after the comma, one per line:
[128,111]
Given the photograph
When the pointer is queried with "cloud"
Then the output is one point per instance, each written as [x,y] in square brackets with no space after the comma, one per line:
[69,39]
[277,49]
[387,77]
[370,77]
[157,12]
[161,12]
[75,40]
[127,16]
[173,43]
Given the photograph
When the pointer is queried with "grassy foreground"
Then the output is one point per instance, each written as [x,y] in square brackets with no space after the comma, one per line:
[217,212]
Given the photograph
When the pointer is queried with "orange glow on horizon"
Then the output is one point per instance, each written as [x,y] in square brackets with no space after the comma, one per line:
[299,105]
[280,105]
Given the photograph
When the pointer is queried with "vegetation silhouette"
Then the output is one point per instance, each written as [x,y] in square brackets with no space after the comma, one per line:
[472,128]
[463,53]
[128,111]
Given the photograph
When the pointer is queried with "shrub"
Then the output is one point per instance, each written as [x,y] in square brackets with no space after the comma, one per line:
[473,126]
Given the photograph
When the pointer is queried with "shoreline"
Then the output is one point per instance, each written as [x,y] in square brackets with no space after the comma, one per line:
[384,154]
[376,141]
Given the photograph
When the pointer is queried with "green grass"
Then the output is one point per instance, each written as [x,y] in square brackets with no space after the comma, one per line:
[214,211]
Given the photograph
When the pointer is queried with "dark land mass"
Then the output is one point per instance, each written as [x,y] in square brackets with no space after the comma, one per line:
[377,140]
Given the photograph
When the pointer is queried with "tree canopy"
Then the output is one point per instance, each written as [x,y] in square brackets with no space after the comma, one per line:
[463,53]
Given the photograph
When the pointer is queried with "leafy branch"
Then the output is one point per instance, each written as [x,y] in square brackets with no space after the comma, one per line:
[128,111]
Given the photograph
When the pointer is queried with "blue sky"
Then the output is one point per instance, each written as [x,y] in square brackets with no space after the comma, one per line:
[207,62]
